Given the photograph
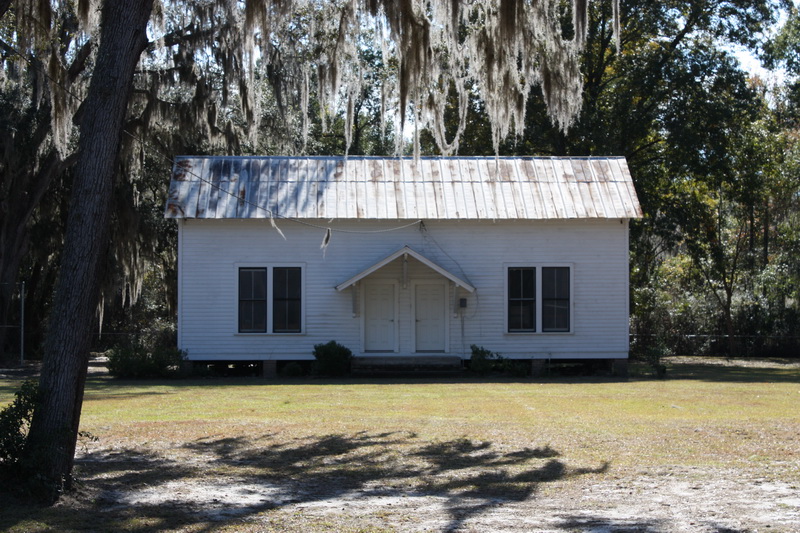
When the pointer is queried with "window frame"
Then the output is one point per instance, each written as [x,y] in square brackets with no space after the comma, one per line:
[544,299]
[521,298]
[275,299]
[538,297]
[270,298]
[252,299]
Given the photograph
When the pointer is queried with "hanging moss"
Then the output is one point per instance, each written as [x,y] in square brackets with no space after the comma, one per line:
[211,66]
[219,51]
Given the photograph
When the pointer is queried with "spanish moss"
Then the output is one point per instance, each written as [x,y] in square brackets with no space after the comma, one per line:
[214,70]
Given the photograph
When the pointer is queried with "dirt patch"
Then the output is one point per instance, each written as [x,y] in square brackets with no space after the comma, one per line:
[244,489]
[642,503]
[236,478]
[26,370]
[98,366]
[675,501]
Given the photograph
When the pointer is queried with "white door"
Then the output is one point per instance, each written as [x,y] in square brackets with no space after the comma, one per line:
[430,317]
[379,317]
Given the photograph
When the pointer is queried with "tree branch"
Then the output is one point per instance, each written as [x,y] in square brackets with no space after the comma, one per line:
[78,64]
[4,5]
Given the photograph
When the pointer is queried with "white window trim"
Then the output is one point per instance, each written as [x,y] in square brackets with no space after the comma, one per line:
[538,310]
[270,292]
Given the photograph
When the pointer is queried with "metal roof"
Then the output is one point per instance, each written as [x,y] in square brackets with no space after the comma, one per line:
[532,188]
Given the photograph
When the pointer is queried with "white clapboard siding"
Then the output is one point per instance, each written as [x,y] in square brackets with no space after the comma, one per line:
[465,216]
[476,251]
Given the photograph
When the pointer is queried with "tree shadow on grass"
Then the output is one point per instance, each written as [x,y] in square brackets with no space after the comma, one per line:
[591,523]
[209,481]
[7,390]
[468,476]
[633,525]
[478,491]
[786,373]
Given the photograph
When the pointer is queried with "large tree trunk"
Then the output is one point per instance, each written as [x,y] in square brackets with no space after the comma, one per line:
[54,429]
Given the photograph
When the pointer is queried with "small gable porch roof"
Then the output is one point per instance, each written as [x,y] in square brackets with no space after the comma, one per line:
[406,251]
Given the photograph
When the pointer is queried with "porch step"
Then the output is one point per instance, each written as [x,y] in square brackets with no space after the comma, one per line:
[406,364]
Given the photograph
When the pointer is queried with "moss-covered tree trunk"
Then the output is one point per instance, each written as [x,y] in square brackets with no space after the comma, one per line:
[54,430]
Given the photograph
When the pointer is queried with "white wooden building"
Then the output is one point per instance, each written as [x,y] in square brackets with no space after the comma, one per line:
[391,257]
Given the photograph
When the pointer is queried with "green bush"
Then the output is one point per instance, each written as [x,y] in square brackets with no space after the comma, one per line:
[150,354]
[518,368]
[484,361]
[653,355]
[333,359]
[292,369]
[15,420]
[137,361]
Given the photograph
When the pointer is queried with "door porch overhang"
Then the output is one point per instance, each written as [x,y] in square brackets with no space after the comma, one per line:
[407,252]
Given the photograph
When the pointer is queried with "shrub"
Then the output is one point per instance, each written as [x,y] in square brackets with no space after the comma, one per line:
[333,359]
[653,355]
[292,369]
[518,368]
[137,361]
[484,361]
[15,420]
[151,353]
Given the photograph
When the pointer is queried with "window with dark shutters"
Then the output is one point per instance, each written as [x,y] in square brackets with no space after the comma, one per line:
[252,300]
[522,299]
[555,299]
[286,300]
[539,299]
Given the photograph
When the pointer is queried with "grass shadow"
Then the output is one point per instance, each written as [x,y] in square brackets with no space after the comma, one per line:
[8,388]
[470,476]
[589,523]
[702,369]
[722,370]
[212,481]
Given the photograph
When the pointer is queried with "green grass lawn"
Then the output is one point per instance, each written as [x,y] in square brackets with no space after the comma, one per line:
[476,438]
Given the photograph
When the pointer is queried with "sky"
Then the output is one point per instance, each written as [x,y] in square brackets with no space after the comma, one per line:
[752,65]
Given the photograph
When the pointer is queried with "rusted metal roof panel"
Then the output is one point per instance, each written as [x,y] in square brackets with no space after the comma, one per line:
[469,188]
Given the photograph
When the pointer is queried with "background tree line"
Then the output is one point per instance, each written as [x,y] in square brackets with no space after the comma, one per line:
[713,152]
[97,97]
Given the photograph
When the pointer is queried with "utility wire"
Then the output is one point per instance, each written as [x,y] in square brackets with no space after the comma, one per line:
[278,215]
[148,148]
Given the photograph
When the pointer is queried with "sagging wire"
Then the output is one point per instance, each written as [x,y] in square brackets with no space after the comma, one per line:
[427,236]
[269,212]
[153,151]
